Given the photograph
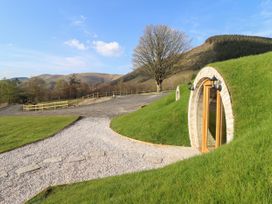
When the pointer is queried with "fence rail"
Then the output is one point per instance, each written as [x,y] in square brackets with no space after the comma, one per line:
[75,102]
[46,106]
[118,93]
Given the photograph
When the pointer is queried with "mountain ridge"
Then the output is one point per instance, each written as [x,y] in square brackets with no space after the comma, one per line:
[90,78]
[215,48]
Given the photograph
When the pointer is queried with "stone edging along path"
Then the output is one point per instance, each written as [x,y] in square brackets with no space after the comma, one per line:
[87,150]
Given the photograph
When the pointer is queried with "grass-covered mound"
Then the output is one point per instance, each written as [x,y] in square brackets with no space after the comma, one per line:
[16,131]
[164,121]
[240,172]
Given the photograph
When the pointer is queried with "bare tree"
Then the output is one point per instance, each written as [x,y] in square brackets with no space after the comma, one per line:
[74,83]
[35,89]
[62,89]
[158,51]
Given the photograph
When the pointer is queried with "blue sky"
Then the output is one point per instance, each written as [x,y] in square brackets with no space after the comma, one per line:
[71,36]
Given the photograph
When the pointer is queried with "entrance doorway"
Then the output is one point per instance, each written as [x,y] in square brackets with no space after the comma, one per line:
[216,92]
[213,119]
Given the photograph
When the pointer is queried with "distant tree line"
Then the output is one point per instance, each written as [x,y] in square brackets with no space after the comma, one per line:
[9,91]
[224,38]
[222,47]
[233,46]
[36,90]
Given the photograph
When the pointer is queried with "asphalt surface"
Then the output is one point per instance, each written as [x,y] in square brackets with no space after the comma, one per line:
[109,108]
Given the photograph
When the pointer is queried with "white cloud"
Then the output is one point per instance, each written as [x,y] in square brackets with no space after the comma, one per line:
[111,49]
[74,43]
[80,21]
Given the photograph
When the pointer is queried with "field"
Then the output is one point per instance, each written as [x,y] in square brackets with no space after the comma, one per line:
[239,172]
[163,122]
[16,131]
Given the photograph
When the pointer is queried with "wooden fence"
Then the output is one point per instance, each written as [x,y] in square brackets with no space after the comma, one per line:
[117,93]
[46,106]
[75,102]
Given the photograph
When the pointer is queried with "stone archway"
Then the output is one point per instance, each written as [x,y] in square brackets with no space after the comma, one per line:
[196,106]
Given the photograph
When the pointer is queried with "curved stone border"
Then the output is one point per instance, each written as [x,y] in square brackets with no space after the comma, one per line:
[194,131]
[145,142]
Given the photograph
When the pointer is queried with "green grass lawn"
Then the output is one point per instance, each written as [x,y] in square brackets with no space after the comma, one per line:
[16,131]
[239,172]
[164,121]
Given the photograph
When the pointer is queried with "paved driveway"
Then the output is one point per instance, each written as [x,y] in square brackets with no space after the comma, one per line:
[109,108]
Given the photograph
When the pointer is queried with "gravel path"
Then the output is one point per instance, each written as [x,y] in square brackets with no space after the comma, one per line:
[87,150]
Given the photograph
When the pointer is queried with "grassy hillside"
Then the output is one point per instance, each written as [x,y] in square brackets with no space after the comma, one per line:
[164,121]
[223,47]
[239,172]
[16,131]
[216,48]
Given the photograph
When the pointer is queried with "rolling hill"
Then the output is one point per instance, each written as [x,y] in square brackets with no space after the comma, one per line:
[19,78]
[215,48]
[89,78]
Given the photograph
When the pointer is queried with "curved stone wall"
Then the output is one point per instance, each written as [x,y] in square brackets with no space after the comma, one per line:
[195,106]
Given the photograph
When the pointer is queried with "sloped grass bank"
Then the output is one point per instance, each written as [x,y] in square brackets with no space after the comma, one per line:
[163,121]
[16,131]
[240,172]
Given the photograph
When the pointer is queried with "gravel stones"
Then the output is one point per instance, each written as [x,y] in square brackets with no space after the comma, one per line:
[52,160]
[87,150]
[3,174]
[28,168]
[153,159]
[76,159]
